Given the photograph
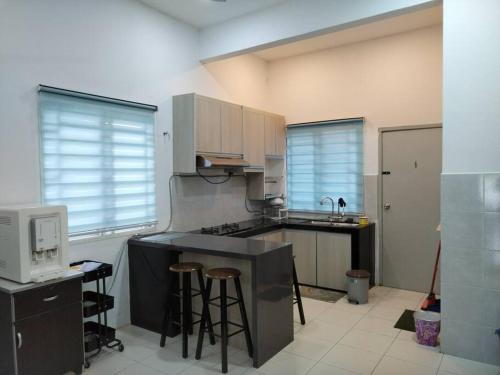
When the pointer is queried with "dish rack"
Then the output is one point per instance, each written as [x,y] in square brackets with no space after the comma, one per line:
[97,304]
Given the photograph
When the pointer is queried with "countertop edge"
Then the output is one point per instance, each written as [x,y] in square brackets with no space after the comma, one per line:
[12,287]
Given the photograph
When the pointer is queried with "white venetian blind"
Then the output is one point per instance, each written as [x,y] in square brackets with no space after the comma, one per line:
[97,157]
[325,159]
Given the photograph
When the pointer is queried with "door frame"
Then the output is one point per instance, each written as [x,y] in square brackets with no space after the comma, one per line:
[380,194]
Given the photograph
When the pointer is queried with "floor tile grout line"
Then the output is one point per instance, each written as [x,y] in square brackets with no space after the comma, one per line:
[441,361]
[383,355]
[340,339]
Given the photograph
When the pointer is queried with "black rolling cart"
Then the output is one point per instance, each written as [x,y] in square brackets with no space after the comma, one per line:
[97,304]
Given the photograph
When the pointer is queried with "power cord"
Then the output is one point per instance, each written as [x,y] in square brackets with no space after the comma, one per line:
[170,219]
[229,176]
[118,264]
[246,204]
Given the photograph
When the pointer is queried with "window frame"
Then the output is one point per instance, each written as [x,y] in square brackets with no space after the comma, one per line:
[106,232]
[333,122]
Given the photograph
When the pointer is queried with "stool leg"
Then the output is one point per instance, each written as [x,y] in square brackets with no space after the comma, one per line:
[186,313]
[244,319]
[204,316]
[223,324]
[206,309]
[190,308]
[168,308]
[297,295]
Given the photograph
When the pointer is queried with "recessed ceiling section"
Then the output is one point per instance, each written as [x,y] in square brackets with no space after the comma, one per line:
[203,13]
[394,25]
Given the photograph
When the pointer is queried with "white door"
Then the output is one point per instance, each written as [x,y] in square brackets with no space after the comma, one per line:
[411,170]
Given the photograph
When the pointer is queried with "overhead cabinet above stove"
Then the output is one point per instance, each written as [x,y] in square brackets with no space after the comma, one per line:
[208,126]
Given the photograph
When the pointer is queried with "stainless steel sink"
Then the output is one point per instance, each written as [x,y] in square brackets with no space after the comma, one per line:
[332,223]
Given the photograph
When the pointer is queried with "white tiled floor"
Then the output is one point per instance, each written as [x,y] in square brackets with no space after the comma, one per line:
[338,339]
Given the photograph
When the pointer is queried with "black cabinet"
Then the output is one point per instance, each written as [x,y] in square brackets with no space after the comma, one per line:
[41,331]
[148,270]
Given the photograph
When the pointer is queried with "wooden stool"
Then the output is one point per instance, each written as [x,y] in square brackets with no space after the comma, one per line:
[186,295]
[298,299]
[224,274]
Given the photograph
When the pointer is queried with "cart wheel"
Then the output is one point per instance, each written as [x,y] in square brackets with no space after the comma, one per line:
[121,348]
[86,364]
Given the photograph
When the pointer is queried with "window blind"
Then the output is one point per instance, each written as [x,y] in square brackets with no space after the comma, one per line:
[97,157]
[325,159]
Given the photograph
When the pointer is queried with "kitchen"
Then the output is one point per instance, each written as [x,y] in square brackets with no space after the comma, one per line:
[385,71]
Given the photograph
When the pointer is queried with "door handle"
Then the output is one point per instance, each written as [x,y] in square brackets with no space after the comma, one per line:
[19,340]
[387,206]
[50,299]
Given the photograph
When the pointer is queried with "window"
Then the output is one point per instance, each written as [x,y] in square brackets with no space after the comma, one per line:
[325,159]
[97,158]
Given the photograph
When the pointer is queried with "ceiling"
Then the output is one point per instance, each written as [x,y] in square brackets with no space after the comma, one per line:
[203,13]
[393,25]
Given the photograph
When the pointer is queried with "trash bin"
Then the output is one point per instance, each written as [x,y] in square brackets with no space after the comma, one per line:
[427,327]
[357,286]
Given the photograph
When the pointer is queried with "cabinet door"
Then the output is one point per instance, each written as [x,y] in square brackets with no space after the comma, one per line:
[208,125]
[253,137]
[334,259]
[304,249]
[231,128]
[280,136]
[270,135]
[51,343]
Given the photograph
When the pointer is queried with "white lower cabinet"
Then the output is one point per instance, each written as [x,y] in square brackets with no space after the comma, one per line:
[304,249]
[334,259]
[276,236]
[321,258]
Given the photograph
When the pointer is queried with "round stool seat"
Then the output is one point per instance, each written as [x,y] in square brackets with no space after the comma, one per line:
[223,273]
[186,267]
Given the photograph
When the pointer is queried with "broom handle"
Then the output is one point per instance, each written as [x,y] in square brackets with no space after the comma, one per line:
[435,268]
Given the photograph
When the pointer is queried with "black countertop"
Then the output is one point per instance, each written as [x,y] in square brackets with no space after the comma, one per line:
[233,247]
[237,245]
[263,225]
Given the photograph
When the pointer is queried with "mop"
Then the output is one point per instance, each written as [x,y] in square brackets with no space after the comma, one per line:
[431,303]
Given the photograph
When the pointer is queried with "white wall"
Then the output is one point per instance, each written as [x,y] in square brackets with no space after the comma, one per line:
[471,89]
[294,20]
[470,263]
[116,48]
[391,81]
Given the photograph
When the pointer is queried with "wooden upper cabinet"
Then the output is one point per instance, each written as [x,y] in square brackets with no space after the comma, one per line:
[270,135]
[208,121]
[280,136]
[253,137]
[275,135]
[206,125]
[231,128]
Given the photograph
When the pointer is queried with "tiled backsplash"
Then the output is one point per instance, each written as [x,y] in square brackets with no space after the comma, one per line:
[197,203]
[470,266]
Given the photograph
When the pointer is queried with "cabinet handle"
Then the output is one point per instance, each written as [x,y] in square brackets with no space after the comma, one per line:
[50,299]
[19,340]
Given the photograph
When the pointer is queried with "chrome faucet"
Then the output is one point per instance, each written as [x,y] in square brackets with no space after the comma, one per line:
[322,202]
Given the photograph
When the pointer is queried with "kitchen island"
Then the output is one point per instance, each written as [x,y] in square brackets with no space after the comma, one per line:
[266,280]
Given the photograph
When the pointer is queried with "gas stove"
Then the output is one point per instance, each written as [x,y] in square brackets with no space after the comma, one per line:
[225,229]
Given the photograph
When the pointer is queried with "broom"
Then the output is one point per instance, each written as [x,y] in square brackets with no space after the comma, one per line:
[431,302]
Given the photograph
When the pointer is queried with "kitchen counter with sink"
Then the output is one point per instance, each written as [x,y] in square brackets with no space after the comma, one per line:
[266,267]
[322,248]
[258,226]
